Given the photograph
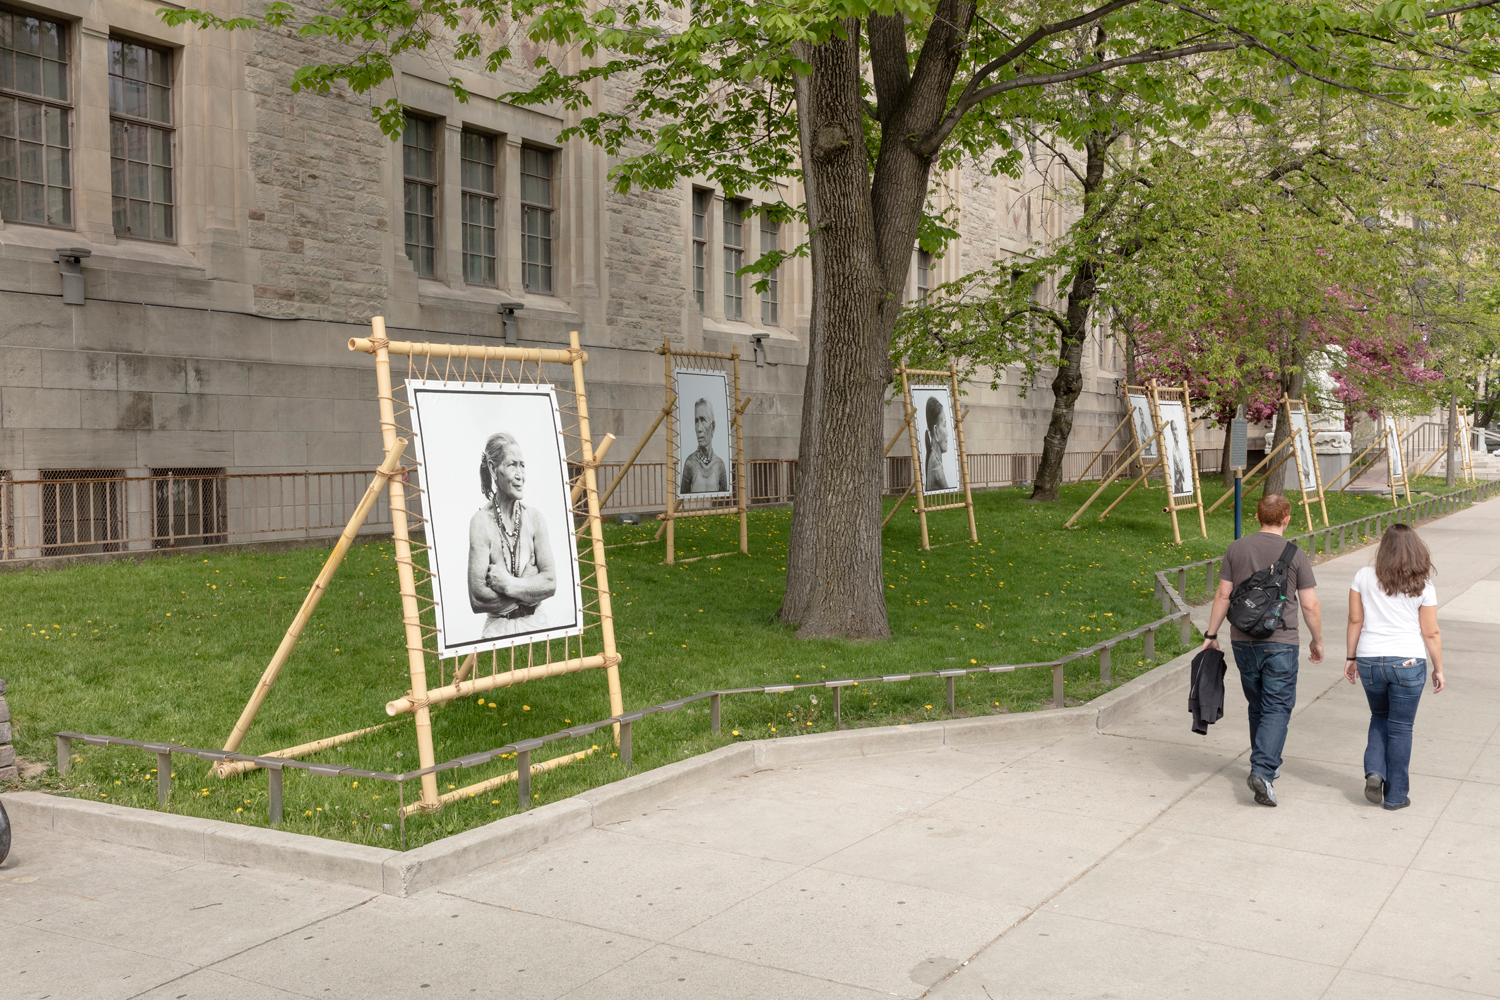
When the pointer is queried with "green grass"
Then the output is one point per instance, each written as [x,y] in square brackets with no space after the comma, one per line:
[170,648]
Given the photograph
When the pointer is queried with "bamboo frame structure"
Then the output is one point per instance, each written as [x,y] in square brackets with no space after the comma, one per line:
[315,593]
[1306,411]
[1460,439]
[674,509]
[1248,481]
[1155,394]
[1393,445]
[1157,462]
[1114,473]
[921,508]
[1139,480]
[468,364]
[1353,464]
[1107,441]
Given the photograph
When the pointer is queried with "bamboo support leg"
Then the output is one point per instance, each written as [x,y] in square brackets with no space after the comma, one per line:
[629,462]
[230,768]
[609,439]
[1112,434]
[467,668]
[1134,483]
[896,508]
[739,455]
[490,784]
[394,450]
[963,456]
[416,657]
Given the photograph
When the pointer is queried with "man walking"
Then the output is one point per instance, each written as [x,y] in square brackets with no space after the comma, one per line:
[1268,667]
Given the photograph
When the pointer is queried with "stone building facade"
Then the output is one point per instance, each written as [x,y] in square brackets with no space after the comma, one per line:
[231,235]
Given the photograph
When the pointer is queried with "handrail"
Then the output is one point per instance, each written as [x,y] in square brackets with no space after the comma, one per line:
[1174,608]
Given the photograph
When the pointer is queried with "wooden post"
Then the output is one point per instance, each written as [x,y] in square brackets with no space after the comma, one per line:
[315,594]
[596,532]
[620,476]
[916,456]
[739,456]
[1114,474]
[577,491]
[416,657]
[963,457]
[1082,475]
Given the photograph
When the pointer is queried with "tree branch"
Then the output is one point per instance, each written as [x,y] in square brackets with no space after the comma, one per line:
[888,62]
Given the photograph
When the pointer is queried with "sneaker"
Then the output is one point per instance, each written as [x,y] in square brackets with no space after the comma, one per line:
[1400,805]
[1375,788]
[1262,789]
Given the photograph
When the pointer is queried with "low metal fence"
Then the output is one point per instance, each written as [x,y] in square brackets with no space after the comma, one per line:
[1172,587]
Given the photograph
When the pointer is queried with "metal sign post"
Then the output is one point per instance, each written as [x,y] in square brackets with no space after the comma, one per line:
[1238,461]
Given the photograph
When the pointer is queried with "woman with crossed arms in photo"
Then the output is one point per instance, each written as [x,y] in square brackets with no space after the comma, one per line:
[511,570]
[1393,636]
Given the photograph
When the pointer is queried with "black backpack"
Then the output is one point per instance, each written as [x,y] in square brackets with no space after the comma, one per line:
[1256,606]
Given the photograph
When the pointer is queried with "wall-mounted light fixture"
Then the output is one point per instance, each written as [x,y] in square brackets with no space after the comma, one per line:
[509,321]
[759,342]
[69,262]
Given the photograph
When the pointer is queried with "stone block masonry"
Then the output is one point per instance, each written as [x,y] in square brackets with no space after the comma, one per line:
[8,771]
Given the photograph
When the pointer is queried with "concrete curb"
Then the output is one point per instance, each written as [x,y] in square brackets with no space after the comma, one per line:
[400,873]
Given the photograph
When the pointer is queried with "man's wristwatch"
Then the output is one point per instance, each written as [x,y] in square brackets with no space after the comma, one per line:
[1207,636]
[1351,659]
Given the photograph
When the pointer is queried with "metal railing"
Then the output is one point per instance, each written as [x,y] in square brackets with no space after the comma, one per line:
[1175,608]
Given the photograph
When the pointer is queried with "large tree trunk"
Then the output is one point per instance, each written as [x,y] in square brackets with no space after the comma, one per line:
[862,231]
[1067,384]
[1291,385]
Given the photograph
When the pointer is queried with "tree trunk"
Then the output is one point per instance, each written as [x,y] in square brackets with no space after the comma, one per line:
[1291,385]
[1225,471]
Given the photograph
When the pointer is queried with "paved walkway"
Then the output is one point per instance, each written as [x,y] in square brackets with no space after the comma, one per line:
[1133,864]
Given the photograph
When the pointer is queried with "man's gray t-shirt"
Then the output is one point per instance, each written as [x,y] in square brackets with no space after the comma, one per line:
[1256,552]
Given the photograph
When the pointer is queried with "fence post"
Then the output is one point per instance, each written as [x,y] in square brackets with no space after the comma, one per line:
[838,708]
[1104,665]
[163,778]
[523,771]
[950,694]
[1057,685]
[1150,643]
[64,755]
[273,788]
[625,745]
[1210,571]
[713,714]
[1187,628]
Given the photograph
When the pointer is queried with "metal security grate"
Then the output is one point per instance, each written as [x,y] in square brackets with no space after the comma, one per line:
[189,507]
[83,511]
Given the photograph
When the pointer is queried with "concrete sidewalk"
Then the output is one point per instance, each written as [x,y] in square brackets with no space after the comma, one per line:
[1132,864]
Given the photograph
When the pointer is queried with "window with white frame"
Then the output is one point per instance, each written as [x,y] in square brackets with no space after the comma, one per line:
[419,167]
[536,219]
[770,299]
[36,119]
[734,258]
[142,141]
[924,275]
[478,152]
[701,201]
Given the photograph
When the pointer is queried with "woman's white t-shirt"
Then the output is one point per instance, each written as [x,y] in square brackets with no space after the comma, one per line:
[1391,627]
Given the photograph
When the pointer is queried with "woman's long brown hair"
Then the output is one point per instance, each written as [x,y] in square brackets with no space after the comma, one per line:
[1402,563]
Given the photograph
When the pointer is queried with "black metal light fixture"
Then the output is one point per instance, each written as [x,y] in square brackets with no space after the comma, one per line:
[509,321]
[69,262]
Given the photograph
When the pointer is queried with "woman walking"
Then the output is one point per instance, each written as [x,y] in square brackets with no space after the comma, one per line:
[1393,636]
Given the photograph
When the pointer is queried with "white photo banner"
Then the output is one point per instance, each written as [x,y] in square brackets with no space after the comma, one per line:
[937,439]
[704,409]
[1306,455]
[1393,447]
[1145,430]
[1179,455]
[494,477]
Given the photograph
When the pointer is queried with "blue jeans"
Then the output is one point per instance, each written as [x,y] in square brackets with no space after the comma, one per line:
[1268,673]
[1393,691]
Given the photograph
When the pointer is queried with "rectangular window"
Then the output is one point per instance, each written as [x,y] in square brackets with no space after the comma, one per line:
[419,166]
[189,507]
[701,200]
[536,219]
[479,208]
[36,175]
[924,274]
[83,511]
[141,141]
[770,299]
[734,259]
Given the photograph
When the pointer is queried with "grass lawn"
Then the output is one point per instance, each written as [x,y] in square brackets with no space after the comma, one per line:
[170,649]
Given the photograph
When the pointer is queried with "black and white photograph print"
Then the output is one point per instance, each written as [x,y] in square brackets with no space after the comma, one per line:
[1392,446]
[1174,428]
[500,529]
[936,438]
[1305,455]
[1145,430]
[704,410]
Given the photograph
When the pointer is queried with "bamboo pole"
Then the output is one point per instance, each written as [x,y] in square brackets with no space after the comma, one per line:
[1152,396]
[383,474]
[467,668]
[596,529]
[1103,446]
[577,492]
[416,656]
[472,352]
[1253,470]
[1187,418]
[629,462]
[739,455]
[1114,474]
[230,768]
[1267,474]
[963,458]
[541,767]
[489,682]
[899,431]
[1317,468]
[895,508]
[916,458]
[663,518]
[672,501]
[1140,480]
[1351,466]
